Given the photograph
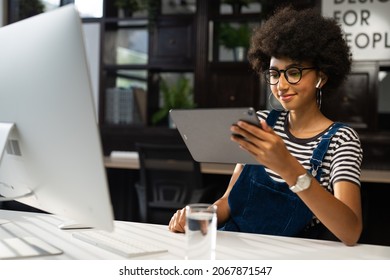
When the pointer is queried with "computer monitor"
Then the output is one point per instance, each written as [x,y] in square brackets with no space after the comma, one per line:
[50,146]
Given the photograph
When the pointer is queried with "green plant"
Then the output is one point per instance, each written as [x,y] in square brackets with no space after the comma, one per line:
[232,37]
[29,8]
[175,96]
[130,6]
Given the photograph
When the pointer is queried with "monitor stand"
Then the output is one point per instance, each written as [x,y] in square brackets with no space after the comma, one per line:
[5,130]
[18,247]
[5,145]
[71,225]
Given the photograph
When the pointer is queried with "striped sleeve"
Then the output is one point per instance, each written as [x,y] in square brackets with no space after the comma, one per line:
[347,156]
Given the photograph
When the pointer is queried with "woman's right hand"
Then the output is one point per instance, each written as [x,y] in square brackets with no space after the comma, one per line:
[178,221]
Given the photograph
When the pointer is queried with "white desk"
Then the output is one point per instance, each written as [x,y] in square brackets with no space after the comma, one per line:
[373,176]
[230,245]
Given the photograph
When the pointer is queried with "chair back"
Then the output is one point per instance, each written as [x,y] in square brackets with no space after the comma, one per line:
[169,180]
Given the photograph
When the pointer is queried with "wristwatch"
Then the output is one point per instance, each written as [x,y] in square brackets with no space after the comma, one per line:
[303,183]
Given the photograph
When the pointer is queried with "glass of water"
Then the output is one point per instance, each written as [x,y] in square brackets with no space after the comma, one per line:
[201,231]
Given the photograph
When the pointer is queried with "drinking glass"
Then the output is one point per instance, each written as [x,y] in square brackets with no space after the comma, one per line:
[201,231]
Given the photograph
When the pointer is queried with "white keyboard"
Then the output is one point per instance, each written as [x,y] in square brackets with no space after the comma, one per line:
[118,243]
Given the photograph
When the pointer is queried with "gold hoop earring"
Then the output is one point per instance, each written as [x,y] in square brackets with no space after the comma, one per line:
[319,97]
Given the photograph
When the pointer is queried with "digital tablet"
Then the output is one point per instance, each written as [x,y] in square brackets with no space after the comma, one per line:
[206,132]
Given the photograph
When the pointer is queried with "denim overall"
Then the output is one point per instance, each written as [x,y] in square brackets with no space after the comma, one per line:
[259,204]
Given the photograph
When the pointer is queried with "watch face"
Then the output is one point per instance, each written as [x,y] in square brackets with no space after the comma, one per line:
[303,182]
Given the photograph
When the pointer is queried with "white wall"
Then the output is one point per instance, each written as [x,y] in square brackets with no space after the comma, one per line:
[366,25]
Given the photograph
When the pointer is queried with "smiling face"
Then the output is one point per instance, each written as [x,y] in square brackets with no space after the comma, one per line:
[298,95]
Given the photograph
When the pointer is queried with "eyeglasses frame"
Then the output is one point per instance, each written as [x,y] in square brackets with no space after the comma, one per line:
[286,76]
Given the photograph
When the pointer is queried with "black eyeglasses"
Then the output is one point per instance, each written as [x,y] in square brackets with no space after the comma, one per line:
[292,74]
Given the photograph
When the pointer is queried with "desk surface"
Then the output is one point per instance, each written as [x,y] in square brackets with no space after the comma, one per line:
[374,176]
[133,163]
[230,245]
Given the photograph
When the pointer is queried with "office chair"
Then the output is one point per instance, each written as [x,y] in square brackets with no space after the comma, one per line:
[169,180]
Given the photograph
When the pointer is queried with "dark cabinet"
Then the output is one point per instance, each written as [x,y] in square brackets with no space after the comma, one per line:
[204,42]
[172,43]
[192,40]
[355,103]
[235,86]
[181,45]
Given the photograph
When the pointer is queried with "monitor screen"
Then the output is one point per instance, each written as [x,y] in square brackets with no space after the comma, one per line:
[50,146]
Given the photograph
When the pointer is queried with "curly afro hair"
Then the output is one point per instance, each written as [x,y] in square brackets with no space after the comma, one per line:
[302,36]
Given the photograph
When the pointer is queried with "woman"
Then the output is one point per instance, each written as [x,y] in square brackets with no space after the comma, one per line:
[308,181]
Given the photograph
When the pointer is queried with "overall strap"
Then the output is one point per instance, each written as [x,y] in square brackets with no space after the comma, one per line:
[273,117]
[320,151]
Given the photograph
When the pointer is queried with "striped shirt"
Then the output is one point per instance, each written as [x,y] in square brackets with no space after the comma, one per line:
[342,161]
